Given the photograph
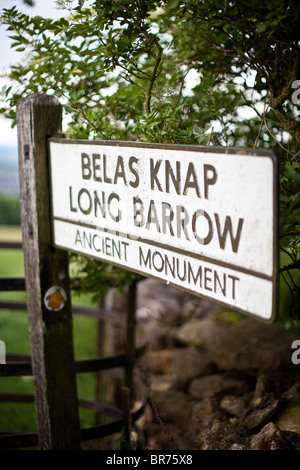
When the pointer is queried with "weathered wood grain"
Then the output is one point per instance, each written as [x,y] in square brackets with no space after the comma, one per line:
[40,116]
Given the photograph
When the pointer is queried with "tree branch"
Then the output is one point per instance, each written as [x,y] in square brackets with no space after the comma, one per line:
[154,76]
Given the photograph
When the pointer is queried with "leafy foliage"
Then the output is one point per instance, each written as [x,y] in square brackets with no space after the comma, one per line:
[173,71]
[97,278]
[9,210]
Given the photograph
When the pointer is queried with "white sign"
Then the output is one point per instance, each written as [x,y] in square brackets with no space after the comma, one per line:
[199,218]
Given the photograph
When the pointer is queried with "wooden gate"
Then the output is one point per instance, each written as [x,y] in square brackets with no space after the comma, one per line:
[52,361]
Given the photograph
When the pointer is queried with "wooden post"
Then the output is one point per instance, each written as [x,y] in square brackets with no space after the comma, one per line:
[130,360]
[116,339]
[50,321]
[130,335]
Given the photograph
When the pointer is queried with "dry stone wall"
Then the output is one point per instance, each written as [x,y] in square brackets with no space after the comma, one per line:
[214,384]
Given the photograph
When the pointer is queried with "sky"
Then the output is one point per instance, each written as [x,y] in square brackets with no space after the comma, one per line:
[45,8]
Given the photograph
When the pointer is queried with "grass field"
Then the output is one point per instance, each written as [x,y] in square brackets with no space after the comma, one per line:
[14,332]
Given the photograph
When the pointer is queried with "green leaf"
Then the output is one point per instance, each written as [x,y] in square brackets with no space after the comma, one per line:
[261,28]
[172,4]
[284,198]
[40,60]
[197,130]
